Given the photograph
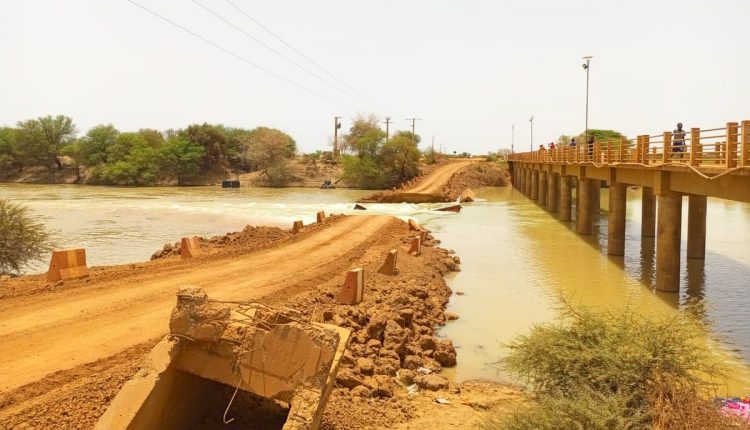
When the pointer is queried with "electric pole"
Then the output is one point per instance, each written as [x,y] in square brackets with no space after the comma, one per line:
[336,127]
[413,134]
[513,137]
[387,128]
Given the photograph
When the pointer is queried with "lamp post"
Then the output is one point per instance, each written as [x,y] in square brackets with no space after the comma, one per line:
[531,144]
[513,137]
[586,67]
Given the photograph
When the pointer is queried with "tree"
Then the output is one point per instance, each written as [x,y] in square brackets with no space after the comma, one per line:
[10,154]
[131,160]
[22,239]
[213,141]
[180,158]
[91,149]
[41,140]
[265,147]
[154,137]
[365,136]
[400,157]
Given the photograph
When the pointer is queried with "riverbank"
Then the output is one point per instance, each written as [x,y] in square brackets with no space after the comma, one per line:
[106,325]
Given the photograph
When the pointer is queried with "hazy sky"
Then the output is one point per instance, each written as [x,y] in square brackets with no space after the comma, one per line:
[469,69]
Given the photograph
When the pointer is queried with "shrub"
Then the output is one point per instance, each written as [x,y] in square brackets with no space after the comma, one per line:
[22,239]
[614,371]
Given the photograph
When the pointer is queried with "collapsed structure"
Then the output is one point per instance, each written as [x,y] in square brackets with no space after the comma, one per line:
[217,349]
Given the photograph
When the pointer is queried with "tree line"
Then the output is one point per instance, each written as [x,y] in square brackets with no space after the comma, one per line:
[106,155]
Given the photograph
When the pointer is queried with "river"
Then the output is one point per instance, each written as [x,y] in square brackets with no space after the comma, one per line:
[518,261]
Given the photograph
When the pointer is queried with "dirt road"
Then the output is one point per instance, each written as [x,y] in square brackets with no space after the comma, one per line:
[439,178]
[54,332]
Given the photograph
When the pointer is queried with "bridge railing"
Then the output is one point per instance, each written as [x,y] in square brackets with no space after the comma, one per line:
[724,148]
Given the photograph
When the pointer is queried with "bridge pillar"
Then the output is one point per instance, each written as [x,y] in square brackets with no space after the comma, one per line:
[616,219]
[543,188]
[583,206]
[566,194]
[696,243]
[648,212]
[669,227]
[535,185]
[596,197]
[553,193]
[527,182]
[521,179]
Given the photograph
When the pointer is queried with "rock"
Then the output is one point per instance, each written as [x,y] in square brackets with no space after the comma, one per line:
[167,248]
[445,354]
[460,293]
[361,391]
[394,338]
[427,342]
[412,362]
[376,327]
[406,376]
[373,346]
[431,382]
[386,386]
[327,315]
[365,365]
[451,316]
[348,379]
[407,315]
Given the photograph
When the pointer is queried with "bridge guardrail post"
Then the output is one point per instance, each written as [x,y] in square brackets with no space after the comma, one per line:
[745,145]
[666,156]
[644,147]
[696,149]
[638,149]
[623,145]
[731,148]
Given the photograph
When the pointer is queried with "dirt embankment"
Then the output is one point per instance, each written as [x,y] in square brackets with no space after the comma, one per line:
[69,346]
[445,183]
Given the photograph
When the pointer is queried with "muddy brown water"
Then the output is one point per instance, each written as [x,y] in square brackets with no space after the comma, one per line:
[517,260]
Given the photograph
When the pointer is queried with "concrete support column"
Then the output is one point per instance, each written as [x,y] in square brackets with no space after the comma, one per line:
[543,188]
[527,182]
[566,194]
[696,242]
[553,193]
[648,212]
[534,185]
[583,209]
[668,242]
[596,197]
[616,222]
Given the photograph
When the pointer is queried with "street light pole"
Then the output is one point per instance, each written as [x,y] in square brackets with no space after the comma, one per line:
[586,67]
[513,137]
[531,144]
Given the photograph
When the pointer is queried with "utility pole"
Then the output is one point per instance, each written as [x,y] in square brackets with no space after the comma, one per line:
[531,144]
[387,128]
[513,137]
[336,127]
[413,134]
[586,67]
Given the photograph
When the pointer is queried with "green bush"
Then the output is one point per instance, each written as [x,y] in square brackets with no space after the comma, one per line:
[22,239]
[614,371]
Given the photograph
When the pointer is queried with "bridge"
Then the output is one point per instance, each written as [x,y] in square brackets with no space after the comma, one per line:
[704,163]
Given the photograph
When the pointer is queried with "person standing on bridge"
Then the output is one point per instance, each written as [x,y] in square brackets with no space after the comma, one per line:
[678,141]
[572,143]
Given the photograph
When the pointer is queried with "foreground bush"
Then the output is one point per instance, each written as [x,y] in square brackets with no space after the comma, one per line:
[614,371]
[22,240]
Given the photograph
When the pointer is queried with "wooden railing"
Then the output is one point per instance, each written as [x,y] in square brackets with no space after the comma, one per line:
[722,148]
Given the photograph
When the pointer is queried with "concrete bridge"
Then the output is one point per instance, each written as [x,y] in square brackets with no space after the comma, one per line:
[705,163]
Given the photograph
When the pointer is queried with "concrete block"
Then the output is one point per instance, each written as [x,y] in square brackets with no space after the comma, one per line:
[413,225]
[389,267]
[467,196]
[416,246]
[320,217]
[67,264]
[353,289]
[190,247]
[297,226]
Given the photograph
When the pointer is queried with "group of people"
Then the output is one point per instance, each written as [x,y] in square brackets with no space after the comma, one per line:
[678,142]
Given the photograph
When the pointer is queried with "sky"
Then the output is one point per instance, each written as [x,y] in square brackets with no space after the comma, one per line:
[468,69]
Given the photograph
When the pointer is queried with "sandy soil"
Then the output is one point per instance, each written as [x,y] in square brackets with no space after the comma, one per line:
[435,182]
[68,347]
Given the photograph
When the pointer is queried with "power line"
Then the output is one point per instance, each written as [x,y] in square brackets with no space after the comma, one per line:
[270,48]
[298,52]
[238,56]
